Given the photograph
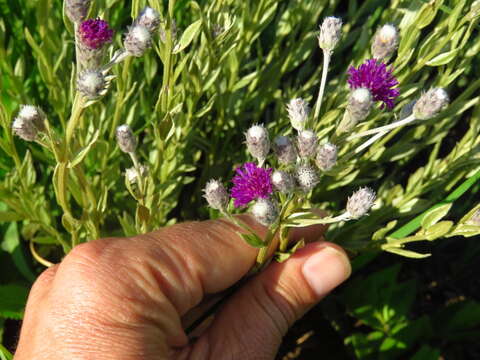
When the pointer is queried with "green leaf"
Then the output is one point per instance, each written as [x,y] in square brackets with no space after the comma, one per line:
[438,230]
[252,240]
[187,36]
[426,353]
[11,244]
[9,216]
[465,230]
[5,354]
[83,153]
[443,58]
[435,215]
[406,253]
[381,233]
[12,301]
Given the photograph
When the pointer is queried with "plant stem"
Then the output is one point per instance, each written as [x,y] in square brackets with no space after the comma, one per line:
[77,111]
[370,141]
[326,62]
[381,129]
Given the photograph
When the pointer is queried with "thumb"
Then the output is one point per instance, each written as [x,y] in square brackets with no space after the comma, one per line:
[252,323]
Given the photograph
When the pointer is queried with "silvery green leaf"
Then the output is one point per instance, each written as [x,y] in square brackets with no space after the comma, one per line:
[435,215]
[406,253]
[187,36]
[438,230]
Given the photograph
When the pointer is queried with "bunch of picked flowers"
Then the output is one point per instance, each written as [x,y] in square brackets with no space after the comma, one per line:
[276,188]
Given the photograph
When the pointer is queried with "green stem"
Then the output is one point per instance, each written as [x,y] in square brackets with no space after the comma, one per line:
[77,111]
[326,62]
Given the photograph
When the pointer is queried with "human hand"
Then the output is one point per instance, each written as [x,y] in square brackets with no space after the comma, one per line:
[125,298]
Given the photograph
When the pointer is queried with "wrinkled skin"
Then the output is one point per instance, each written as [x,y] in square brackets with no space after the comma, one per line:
[130,298]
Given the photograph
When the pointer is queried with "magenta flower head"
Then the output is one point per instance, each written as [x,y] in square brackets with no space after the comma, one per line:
[250,183]
[377,78]
[94,33]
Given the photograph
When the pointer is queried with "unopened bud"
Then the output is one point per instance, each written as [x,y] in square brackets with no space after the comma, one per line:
[265,211]
[125,139]
[216,195]
[284,149]
[77,10]
[307,142]
[359,105]
[149,18]
[138,40]
[326,156]
[132,174]
[283,181]
[330,33]
[475,219]
[258,143]
[360,203]
[91,84]
[385,42]
[307,177]
[29,122]
[430,104]
[298,111]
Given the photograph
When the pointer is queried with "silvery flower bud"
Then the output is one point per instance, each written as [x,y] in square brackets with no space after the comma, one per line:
[132,174]
[77,10]
[284,149]
[91,84]
[216,195]
[307,177]
[29,122]
[258,143]
[330,33]
[149,18]
[360,203]
[475,219]
[298,111]
[385,42]
[326,156]
[307,142]
[359,105]
[125,139]
[430,104]
[265,211]
[283,181]
[138,40]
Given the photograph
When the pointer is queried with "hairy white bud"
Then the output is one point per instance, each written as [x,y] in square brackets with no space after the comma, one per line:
[258,143]
[29,122]
[91,84]
[326,156]
[149,18]
[24,129]
[360,103]
[138,40]
[307,177]
[385,42]
[430,104]
[360,203]
[216,195]
[307,142]
[132,174]
[284,149]
[298,111]
[125,139]
[265,211]
[283,181]
[330,33]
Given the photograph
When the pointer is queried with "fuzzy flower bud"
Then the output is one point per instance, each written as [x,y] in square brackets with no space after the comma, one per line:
[283,181]
[360,203]
[77,10]
[326,156]
[385,42]
[258,143]
[138,40]
[125,139]
[359,105]
[298,111]
[265,211]
[307,142]
[149,18]
[91,84]
[284,149]
[29,121]
[307,177]
[216,195]
[430,104]
[330,33]
[132,174]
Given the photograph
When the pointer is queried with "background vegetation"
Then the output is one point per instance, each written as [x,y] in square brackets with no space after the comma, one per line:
[237,63]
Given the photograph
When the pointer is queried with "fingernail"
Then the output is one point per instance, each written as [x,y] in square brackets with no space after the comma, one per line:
[326,270]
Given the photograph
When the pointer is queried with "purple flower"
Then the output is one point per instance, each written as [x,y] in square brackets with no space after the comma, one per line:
[251,182]
[95,33]
[377,78]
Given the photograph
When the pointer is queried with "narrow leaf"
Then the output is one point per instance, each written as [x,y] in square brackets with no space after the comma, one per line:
[188,36]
